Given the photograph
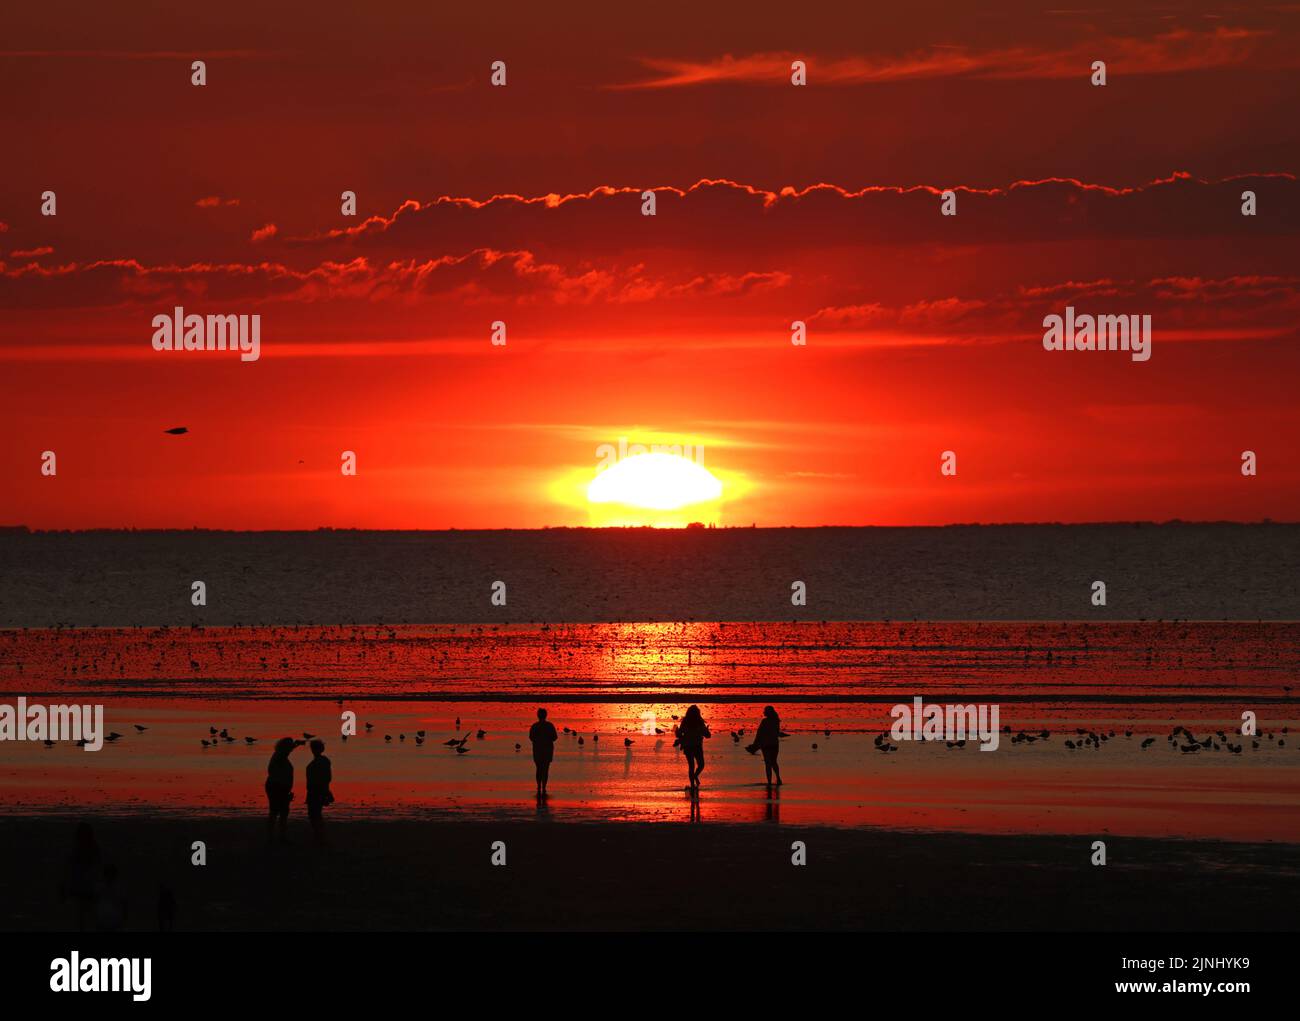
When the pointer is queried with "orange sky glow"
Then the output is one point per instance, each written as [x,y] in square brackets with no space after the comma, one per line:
[522,205]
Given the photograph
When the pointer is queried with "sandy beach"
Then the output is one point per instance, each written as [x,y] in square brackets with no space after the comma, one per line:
[436,874]
[930,836]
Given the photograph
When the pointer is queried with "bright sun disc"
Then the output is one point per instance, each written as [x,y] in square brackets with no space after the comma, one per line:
[654,481]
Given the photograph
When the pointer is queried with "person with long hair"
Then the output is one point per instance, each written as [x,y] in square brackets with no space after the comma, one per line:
[768,741]
[691,733]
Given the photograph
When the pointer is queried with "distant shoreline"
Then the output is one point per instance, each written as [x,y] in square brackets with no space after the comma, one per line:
[126,530]
[1174,571]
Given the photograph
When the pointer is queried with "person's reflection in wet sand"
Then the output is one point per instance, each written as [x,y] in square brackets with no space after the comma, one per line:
[696,814]
[81,878]
[773,813]
[110,909]
[166,908]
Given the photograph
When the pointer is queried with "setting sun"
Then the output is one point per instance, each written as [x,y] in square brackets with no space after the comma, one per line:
[655,481]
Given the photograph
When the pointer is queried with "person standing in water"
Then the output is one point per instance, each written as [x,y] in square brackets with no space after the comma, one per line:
[691,733]
[768,741]
[319,775]
[279,788]
[543,736]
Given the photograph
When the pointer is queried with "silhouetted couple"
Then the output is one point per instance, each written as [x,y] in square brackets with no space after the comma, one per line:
[543,736]
[279,788]
[768,741]
[691,733]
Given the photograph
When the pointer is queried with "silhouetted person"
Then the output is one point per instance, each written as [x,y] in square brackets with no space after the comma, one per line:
[691,733]
[166,908]
[319,775]
[110,911]
[279,788]
[768,741]
[543,736]
[81,879]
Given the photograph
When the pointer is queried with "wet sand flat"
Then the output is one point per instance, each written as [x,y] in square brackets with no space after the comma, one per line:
[436,874]
[418,687]
[838,780]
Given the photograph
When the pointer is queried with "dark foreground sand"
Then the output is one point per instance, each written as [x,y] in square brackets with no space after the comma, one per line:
[388,875]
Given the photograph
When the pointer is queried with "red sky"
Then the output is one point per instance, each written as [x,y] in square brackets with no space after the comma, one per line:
[522,204]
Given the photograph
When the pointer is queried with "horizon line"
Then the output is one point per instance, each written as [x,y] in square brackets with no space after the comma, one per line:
[23,529]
